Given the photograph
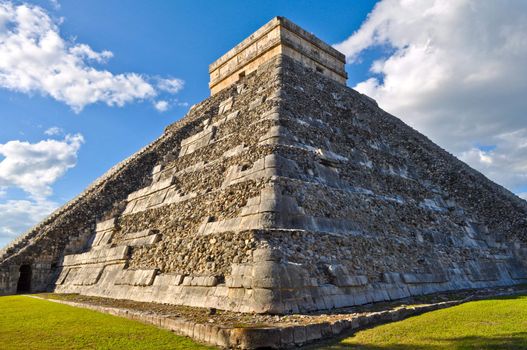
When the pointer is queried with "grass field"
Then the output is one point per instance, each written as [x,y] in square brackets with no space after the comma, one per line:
[487,324]
[28,323]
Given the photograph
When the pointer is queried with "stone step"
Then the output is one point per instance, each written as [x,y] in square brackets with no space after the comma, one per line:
[105,255]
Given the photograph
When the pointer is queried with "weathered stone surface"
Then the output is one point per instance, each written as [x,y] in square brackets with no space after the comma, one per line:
[97,256]
[136,277]
[286,193]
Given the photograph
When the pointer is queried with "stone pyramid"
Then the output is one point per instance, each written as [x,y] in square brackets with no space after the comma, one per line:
[285,191]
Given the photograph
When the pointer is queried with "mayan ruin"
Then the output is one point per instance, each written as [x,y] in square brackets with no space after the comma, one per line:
[284,192]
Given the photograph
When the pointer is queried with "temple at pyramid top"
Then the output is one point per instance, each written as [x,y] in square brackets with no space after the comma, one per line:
[279,36]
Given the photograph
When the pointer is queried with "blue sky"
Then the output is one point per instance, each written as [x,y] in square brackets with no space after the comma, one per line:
[397,56]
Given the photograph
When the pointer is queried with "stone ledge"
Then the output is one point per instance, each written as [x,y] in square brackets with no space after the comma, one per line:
[97,256]
[281,336]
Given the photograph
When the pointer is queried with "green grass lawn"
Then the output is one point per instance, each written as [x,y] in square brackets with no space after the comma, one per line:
[28,323]
[487,324]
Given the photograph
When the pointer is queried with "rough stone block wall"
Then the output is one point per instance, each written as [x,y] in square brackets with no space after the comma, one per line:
[286,192]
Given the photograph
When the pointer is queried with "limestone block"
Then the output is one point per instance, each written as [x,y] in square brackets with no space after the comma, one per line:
[258,165]
[517,270]
[102,238]
[241,276]
[197,141]
[167,280]
[157,169]
[253,201]
[391,277]
[210,281]
[140,205]
[175,196]
[106,225]
[269,205]
[161,185]
[196,137]
[141,241]
[63,275]
[272,115]
[138,194]
[271,161]
[379,294]
[256,102]
[250,210]
[238,173]
[156,198]
[157,186]
[97,256]
[86,276]
[267,254]
[196,281]
[250,222]
[260,338]
[287,337]
[274,133]
[139,234]
[234,281]
[233,151]
[482,271]
[264,300]
[314,332]
[289,206]
[287,167]
[343,278]
[337,327]
[328,175]
[413,278]
[129,207]
[271,274]
[136,277]
[299,335]
[179,280]
[226,105]
[191,168]
[354,281]
[269,193]
[232,115]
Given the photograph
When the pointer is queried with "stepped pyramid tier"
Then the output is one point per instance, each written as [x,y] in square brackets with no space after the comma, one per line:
[284,192]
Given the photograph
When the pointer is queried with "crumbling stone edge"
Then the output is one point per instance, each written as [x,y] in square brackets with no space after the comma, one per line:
[274,337]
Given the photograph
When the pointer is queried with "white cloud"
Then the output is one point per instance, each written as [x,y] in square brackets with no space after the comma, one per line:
[506,164]
[455,70]
[55,4]
[34,167]
[172,85]
[161,106]
[54,130]
[84,51]
[17,216]
[35,58]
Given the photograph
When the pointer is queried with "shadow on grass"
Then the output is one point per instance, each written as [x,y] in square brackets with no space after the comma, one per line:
[517,340]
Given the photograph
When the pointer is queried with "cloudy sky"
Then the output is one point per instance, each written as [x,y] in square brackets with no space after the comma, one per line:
[85,84]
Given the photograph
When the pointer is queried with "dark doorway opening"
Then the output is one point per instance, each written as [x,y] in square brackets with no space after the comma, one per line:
[24,281]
